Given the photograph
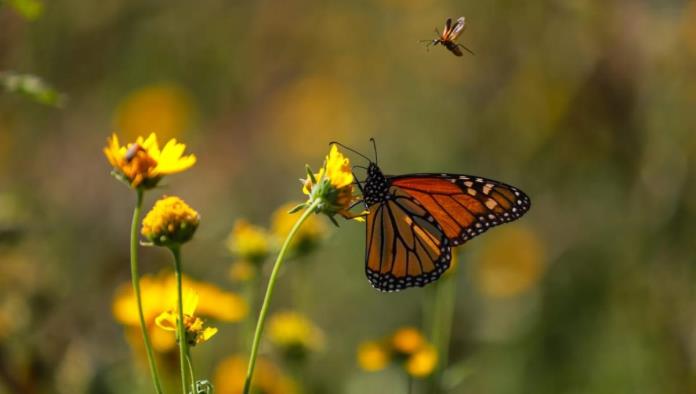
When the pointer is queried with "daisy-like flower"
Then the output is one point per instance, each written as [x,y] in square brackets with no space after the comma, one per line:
[196,332]
[373,356]
[332,186]
[249,242]
[171,221]
[294,334]
[307,238]
[406,347]
[143,164]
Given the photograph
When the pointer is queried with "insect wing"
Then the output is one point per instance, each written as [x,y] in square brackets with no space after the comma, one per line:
[456,30]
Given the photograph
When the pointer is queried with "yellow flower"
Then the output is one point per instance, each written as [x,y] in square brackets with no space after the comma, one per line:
[142,164]
[332,185]
[510,262]
[170,221]
[407,340]
[373,356]
[294,334]
[249,242]
[242,271]
[407,347]
[159,294]
[422,363]
[163,109]
[196,333]
[308,235]
[268,379]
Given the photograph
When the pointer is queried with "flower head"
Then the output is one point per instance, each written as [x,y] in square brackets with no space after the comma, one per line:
[249,242]
[422,362]
[143,164]
[406,346]
[159,294]
[268,378]
[373,356]
[407,340]
[306,238]
[195,331]
[170,221]
[332,185]
[509,271]
[294,334]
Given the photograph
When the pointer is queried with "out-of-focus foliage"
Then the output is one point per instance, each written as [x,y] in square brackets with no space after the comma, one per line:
[586,106]
[30,9]
[31,86]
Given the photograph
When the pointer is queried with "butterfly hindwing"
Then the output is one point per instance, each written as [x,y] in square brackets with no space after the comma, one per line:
[464,206]
[405,245]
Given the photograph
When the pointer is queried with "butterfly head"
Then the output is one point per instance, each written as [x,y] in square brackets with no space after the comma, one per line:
[376,188]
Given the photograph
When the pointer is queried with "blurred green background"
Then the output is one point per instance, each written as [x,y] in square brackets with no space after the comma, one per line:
[589,107]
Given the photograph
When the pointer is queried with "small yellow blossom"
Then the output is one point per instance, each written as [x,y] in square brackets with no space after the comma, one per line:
[159,294]
[422,363]
[307,236]
[407,347]
[242,271]
[513,269]
[407,340]
[332,185]
[164,109]
[268,378]
[294,334]
[249,242]
[196,333]
[170,221]
[373,356]
[143,164]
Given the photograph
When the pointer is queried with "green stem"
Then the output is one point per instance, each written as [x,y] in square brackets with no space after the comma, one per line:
[192,375]
[269,293]
[135,279]
[442,328]
[180,330]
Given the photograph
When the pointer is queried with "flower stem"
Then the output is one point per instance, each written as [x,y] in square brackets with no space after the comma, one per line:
[180,330]
[135,279]
[441,329]
[269,293]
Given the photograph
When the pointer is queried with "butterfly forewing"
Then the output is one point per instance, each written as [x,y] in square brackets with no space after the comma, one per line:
[464,206]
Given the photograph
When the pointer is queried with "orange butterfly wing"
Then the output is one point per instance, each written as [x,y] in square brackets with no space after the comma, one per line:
[464,206]
[405,245]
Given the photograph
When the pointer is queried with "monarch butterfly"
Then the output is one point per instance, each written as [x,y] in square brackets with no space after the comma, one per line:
[414,220]
[449,35]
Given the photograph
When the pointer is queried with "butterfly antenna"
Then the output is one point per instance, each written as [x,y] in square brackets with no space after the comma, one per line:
[350,149]
[374,147]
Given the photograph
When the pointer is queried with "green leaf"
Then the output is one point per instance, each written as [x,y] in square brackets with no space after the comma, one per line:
[31,86]
[29,9]
[297,208]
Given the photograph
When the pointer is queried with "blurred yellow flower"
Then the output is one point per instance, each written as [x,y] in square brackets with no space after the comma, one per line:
[159,294]
[373,356]
[333,185]
[242,271]
[510,262]
[306,238]
[162,109]
[406,346]
[142,164]
[422,363]
[268,379]
[294,333]
[170,221]
[407,340]
[196,333]
[249,242]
